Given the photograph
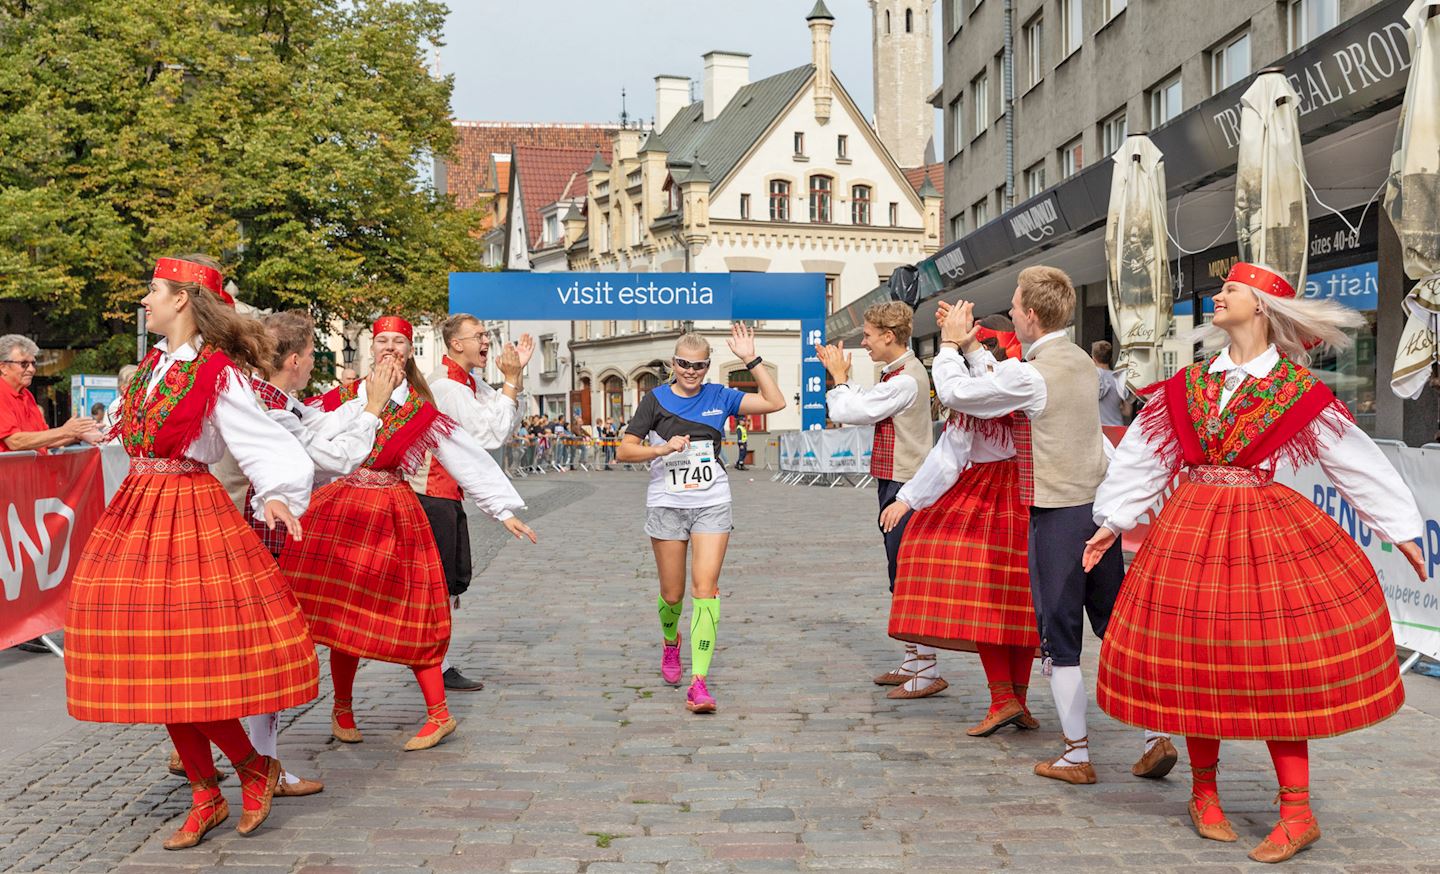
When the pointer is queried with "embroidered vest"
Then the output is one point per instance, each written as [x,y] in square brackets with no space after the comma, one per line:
[407,431]
[438,481]
[335,397]
[164,423]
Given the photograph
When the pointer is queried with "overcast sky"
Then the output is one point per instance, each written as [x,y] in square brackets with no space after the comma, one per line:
[566,60]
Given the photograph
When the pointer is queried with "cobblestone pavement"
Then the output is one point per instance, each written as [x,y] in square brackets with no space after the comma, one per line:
[576,757]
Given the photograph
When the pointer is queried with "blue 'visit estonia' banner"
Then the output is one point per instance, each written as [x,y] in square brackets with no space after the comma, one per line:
[661,296]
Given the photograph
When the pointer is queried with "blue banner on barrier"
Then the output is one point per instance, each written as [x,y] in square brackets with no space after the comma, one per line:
[661,297]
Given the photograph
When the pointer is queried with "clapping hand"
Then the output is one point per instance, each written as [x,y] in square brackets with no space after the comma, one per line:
[742,342]
[959,326]
[510,364]
[525,348]
[836,362]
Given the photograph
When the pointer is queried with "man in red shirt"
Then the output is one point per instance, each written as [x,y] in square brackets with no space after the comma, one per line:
[22,426]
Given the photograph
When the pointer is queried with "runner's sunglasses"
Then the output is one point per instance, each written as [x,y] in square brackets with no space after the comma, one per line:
[691,365]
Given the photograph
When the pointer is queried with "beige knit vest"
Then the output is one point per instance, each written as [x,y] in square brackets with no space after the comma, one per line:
[913,433]
[1067,454]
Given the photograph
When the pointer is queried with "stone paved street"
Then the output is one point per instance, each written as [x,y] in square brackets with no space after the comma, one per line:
[576,757]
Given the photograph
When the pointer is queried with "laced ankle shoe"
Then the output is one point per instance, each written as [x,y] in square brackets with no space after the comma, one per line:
[439,724]
[1027,720]
[922,682]
[670,668]
[340,714]
[1157,759]
[698,699]
[258,778]
[1072,771]
[205,814]
[1004,710]
[1299,832]
[1216,831]
[902,674]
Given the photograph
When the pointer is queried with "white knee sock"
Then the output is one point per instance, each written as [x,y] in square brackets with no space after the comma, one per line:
[1152,736]
[908,663]
[1068,687]
[264,732]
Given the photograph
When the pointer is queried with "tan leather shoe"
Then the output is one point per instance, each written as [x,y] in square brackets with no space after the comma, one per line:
[259,776]
[1157,761]
[201,819]
[301,787]
[1072,771]
[1270,852]
[1010,713]
[177,767]
[447,726]
[896,677]
[1215,831]
[1028,721]
[340,732]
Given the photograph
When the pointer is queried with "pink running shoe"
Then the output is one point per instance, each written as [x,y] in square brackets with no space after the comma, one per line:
[670,663]
[698,699]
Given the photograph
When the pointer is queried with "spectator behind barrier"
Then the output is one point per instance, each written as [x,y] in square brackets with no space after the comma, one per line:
[22,425]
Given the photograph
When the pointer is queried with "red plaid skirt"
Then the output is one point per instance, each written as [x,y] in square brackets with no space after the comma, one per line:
[178,614]
[1249,614]
[963,576]
[273,539]
[368,574]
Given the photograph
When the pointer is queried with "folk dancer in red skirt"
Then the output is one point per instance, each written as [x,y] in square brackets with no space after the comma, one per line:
[177,614]
[1248,614]
[1061,455]
[276,383]
[369,578]
[899,408]
[485,414]
[963,582]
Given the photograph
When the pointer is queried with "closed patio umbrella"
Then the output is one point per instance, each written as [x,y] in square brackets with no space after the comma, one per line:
[1137,258]
[1271,217]
[1412,200]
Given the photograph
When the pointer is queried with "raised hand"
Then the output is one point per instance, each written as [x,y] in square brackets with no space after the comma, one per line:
[742,342]
[836,362]
[525,348]
[941,311]
[510,364]
[959,325]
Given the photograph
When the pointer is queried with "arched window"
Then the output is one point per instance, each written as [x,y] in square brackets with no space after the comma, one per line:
[820,189]
[887,20]
[860,205]
[909,20]
[779,200]
[644,384]
[614,398]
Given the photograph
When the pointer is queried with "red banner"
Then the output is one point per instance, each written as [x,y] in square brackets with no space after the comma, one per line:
[49,504]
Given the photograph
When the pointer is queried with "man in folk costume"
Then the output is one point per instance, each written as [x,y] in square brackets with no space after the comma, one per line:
[485,414]
[899,408]
[369,577]
[177,615]
[1061,453]
[1248,613]
[963,582]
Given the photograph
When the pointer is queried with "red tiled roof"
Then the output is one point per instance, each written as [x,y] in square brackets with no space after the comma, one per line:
[468,171]
[916,176]
[546,175]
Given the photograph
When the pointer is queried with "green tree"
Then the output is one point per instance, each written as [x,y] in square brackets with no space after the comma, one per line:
[284,136]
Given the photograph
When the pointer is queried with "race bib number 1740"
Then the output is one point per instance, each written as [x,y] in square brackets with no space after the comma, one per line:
[693,470]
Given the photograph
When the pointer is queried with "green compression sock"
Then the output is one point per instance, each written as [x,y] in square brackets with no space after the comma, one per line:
[704,621]
[670,619]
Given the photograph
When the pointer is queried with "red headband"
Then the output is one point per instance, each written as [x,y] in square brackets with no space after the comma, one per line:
[176,270]
[1259,278]
[1007,340]
[393,323]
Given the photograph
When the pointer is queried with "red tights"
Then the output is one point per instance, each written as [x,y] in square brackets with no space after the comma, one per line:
[342,674]
[1292,769]
[192,740]
[1007,671]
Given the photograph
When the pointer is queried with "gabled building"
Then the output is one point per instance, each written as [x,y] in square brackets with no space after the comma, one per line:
[781,174]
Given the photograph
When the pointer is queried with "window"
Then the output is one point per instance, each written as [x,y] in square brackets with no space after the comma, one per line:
[744,207]
[980,212]
[842,146]
[887,20]
[672,196]
[419,350]
[1114,8]
[1002,203]
[605,233]
[1307,19]
[1229,63]
[779,200]
[1034,48]
[909,21]
[957,226]
[799,143]
[1072,31]
[637,227]
[1165,101]
[820,199]
[980,97]
[1035,180]
[832,293]
[552,228]
[957,125]
[550,354]
[957,14]
[894,214]
[860,205]
[1072,158]
[1112,133]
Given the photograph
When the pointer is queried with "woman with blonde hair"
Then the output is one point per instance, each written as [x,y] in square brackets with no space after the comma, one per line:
[1248,614]
[177,614]
[678,428]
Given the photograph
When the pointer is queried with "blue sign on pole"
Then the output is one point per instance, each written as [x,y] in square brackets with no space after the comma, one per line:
[660,297]
[1357,287]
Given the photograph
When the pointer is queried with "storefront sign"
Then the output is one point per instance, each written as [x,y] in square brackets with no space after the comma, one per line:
[1356,287]
[1037,222]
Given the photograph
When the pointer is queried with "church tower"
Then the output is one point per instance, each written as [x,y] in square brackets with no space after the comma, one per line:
[903,54]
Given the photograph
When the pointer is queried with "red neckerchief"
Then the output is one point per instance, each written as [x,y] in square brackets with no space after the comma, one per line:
[458,373]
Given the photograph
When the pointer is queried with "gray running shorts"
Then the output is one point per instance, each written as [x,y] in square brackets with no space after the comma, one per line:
[677,523]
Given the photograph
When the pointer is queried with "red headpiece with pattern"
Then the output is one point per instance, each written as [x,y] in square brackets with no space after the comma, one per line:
[1007,340]
[176,270]
[393,323]
[1261,278]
